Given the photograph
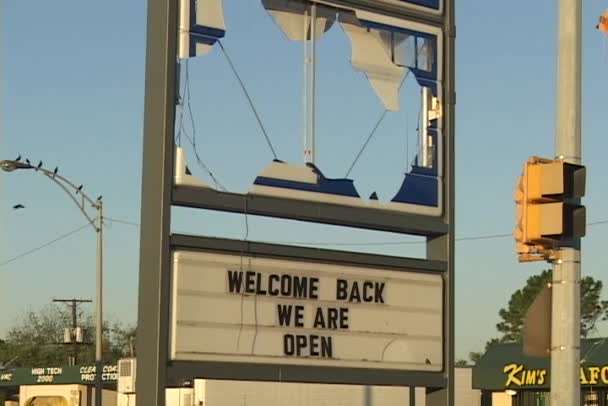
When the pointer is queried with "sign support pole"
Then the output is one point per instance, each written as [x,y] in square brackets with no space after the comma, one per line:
[154,261]
[442,247]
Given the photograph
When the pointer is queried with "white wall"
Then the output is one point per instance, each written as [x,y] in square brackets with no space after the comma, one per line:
[243,393]
[465,395]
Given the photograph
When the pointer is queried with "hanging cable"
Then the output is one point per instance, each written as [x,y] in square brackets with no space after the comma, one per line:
[185,97]
[187,86]
[255,112]
[178,138]
[369,137]
[200,163]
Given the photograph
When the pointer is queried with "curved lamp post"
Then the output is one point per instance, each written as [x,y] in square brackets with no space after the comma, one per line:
[83,202]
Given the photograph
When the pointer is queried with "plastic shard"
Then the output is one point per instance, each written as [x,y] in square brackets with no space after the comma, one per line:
[371,55]
[290,16]
[201,25]
[304,182]
[182,175]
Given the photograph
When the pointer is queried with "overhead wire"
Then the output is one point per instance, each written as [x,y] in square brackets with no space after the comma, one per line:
[317,243]
[126,222]
[246,93]
[38,248]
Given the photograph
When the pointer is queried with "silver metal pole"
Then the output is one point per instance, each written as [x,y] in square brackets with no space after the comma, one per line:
[566,315]
[310,63]
[313,79]
[99,310]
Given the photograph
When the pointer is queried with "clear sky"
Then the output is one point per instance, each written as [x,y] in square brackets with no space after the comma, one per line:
[72,96]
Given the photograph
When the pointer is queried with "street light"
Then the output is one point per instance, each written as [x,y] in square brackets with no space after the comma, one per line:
[83,202]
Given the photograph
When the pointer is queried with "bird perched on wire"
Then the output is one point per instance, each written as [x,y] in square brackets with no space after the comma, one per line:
[39,165]
[18,158]
[79,189]
[55,171]
[18,206]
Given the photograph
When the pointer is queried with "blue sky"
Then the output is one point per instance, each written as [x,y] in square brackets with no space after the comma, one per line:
[72,96]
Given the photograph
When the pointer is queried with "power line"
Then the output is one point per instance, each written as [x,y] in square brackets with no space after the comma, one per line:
[317,243]
[126,222]
[38,248]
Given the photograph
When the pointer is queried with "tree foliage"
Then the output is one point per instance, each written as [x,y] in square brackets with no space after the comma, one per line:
[511,326]
[592,308]
[37,336]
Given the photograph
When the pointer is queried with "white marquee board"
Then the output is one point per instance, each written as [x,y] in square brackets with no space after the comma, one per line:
[233,308]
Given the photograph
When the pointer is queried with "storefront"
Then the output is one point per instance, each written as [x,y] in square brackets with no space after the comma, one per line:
[507,377]
[57,385]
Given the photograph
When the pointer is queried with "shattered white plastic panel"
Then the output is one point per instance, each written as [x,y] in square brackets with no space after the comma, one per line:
[208,14]
[371,55]
[291,18]
[181,176]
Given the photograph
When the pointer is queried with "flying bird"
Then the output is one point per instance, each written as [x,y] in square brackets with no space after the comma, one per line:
[18,206]
[18,158]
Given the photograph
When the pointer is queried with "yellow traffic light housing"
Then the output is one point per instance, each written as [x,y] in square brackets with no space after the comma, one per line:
[548,213]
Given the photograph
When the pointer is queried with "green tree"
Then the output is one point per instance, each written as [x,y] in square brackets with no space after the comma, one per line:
[36,339]
[592,308]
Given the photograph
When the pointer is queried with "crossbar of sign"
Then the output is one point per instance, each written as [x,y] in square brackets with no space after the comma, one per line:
[264,310]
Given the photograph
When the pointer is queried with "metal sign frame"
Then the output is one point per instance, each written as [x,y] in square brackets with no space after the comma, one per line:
[180,371]
[154,372]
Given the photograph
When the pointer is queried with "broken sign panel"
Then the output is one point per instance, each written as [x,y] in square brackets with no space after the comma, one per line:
[385,49]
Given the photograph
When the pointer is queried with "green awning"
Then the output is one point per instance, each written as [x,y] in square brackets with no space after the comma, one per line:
[505,366]
[47,375]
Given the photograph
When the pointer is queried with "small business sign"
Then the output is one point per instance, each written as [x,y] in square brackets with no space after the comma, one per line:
[79,374]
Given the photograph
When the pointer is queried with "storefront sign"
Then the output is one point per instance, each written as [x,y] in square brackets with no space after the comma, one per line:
[518,375]
[84,374]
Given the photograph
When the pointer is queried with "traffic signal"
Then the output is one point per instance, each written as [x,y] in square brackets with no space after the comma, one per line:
[548,214]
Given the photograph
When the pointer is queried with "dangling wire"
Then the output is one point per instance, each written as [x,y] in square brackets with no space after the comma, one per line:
[246,93]
[369,137]
[185,98]
[178,137]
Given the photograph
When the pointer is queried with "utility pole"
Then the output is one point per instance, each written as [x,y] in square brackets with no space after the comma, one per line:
[73,303]
[566,315]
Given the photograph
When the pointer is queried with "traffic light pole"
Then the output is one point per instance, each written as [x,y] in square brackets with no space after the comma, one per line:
[565,334]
